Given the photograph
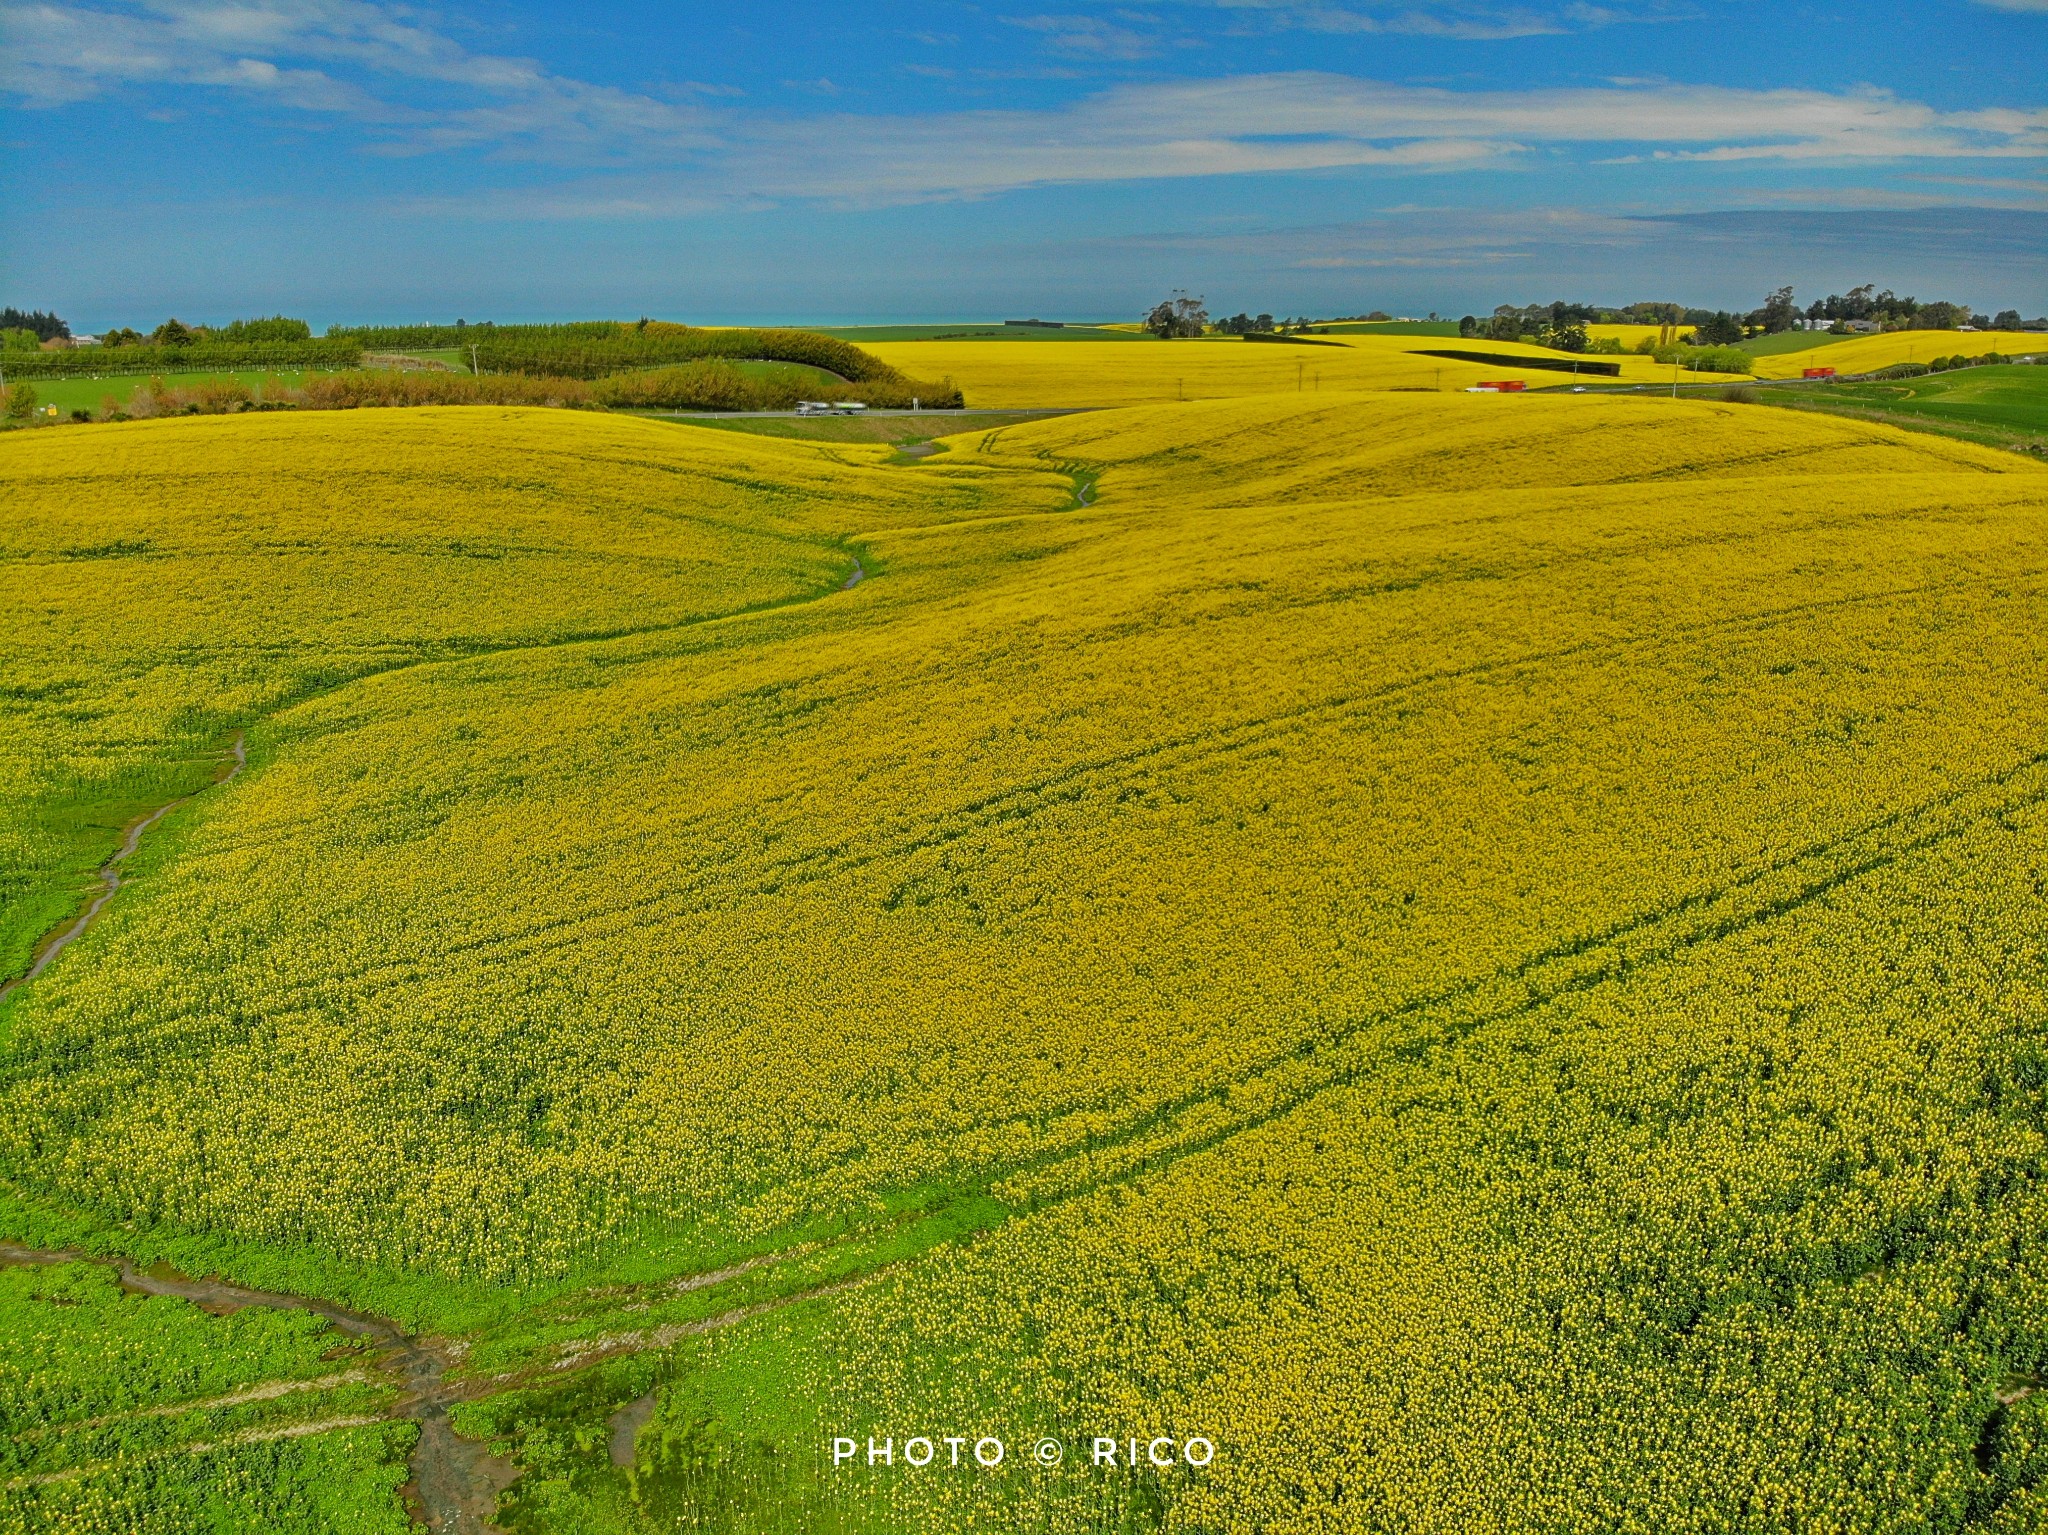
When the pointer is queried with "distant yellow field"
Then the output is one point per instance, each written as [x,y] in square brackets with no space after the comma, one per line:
[1108,373]
[1869,352]
[1630,335]
[1279,451]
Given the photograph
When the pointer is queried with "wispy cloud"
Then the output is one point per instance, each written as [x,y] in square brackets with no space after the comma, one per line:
[1315,121]
[1839,237]
[1470,20]
[376,63]
[417,91]
[1090,37]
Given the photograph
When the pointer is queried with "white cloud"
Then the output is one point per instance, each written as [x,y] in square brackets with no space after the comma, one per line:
[1088,37]
[1473,20]
[302,53]
[418,91]
[1316,121]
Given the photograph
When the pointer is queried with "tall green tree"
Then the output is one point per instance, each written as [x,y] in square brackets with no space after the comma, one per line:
[1177,316]
[1779,313]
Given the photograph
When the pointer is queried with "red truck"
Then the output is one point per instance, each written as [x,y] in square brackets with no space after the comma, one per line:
[1820,373]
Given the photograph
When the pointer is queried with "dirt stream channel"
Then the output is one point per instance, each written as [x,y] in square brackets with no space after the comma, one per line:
[455,1481]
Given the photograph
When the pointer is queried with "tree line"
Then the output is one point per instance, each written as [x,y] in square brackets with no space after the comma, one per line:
[1563,326]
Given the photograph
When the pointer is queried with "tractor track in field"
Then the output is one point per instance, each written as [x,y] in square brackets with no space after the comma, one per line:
[456,1483]
[236,757]
[1076,780]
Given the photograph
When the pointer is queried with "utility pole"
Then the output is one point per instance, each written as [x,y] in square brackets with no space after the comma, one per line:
[1674,378]
[1297,376]
[472,360]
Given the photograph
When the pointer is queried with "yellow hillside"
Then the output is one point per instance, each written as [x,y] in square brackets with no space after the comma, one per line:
[1465,947]
[1867,353]
[928,775]
[1106,373]
[1279,449]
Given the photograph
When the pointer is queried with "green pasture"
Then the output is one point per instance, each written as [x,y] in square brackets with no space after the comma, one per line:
[456,357]
[2004,406]
[69,394]
[797,372]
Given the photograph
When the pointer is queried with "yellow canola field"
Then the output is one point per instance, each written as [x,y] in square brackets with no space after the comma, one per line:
[179,578]
[1865,354]
[1276,449]
[850,742]
[1632,335]
[1001,374]
[1481,954]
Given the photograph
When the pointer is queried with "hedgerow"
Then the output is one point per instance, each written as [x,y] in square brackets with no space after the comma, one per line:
[101,361]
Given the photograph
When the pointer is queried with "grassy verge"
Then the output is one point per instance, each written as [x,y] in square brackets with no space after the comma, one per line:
[147,1414]
[36,900]
[1999,407]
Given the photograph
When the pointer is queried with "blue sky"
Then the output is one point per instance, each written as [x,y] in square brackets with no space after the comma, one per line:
[353,159]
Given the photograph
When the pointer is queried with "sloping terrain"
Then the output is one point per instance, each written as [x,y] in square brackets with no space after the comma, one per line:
[1866,354]
[1481,956]
[1003,375]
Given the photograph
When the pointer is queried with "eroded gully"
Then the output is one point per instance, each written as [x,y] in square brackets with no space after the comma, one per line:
[455,1481]
[110,871]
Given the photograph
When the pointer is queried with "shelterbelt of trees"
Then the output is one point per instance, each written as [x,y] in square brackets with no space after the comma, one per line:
[586,352]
